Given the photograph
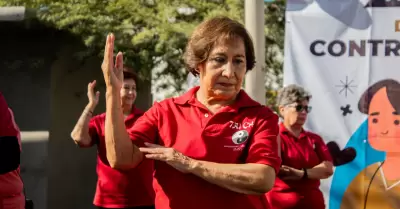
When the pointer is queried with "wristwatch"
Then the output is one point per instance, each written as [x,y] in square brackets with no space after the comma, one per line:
[305,175]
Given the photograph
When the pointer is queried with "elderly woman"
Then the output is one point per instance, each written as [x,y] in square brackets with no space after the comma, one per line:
[11,186]
[115,189]
[305,157]
[214,147]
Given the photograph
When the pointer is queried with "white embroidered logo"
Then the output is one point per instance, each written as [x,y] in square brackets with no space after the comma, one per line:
[240,137]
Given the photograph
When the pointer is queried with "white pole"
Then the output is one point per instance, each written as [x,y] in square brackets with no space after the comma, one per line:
[254,22]
[12,13]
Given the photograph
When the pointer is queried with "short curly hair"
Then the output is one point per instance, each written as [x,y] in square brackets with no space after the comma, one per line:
[129,73]
[291,94]
[208,33]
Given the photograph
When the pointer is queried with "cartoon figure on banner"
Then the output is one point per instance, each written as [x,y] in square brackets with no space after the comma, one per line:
[372,179]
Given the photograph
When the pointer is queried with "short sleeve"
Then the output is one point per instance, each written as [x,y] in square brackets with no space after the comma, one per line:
[6,122]
[263,148]
[94,129]
[321,149]
[145,129]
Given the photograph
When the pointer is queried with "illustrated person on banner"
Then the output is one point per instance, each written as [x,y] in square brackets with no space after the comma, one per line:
[378,185]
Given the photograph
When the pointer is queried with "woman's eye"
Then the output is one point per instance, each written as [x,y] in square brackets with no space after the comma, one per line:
[219,59]
[375,120]
[396,122]
[238,61]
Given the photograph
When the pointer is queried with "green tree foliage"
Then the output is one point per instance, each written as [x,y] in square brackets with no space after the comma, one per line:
[274,39]
[151,33]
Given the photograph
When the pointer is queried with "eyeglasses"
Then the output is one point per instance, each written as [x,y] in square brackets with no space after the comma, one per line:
[300,108]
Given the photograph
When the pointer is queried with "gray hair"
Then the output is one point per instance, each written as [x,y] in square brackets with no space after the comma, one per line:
[291,94]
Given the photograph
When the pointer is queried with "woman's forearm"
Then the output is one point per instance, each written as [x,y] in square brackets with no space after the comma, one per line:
[242,178]
[121,152]
[321,171]
[80,133]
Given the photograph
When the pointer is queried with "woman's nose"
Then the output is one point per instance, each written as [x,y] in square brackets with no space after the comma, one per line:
[228,70]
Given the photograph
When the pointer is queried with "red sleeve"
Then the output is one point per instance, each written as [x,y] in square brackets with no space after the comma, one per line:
[321,149]
[263,148]
[94,129]
[145,128]
[6,123]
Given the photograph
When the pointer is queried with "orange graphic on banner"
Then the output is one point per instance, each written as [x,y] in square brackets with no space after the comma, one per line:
[397,26]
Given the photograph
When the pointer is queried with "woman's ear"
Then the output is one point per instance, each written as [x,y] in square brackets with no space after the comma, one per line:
[200,68]
[281,109]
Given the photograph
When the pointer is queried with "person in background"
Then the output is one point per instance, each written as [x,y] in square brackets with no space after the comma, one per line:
[214,147]
[11,186]
[130,188]
[305,157]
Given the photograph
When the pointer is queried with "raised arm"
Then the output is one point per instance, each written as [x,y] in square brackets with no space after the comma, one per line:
[121,152]
[81,132]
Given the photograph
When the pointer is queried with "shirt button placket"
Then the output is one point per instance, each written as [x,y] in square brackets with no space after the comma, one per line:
[206,118]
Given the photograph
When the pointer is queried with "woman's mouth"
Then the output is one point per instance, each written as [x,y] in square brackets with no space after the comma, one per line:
[226,85]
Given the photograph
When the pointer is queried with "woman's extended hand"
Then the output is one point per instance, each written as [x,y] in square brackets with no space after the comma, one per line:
[168,155]
[113,74]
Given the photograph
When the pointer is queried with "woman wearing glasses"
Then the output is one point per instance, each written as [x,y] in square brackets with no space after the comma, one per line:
[305,157]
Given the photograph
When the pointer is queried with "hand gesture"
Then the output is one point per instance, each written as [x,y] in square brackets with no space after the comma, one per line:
[289,173]
[169,155]
[113,74]
[92,96]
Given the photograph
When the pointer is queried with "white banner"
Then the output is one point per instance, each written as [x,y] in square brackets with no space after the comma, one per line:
[338,50]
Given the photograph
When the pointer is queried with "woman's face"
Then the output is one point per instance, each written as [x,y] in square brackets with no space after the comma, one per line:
[295,114]
[223,72]
[128,92]
[383,123]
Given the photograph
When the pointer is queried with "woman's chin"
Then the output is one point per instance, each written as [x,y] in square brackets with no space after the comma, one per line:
[224,94]
[128,103]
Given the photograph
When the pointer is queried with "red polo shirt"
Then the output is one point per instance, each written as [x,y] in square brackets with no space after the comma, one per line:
[6,122]
[306,151]
[115,188]
[11,186]
[244,132]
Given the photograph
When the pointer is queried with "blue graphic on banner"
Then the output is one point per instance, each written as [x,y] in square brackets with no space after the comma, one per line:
[344,174]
